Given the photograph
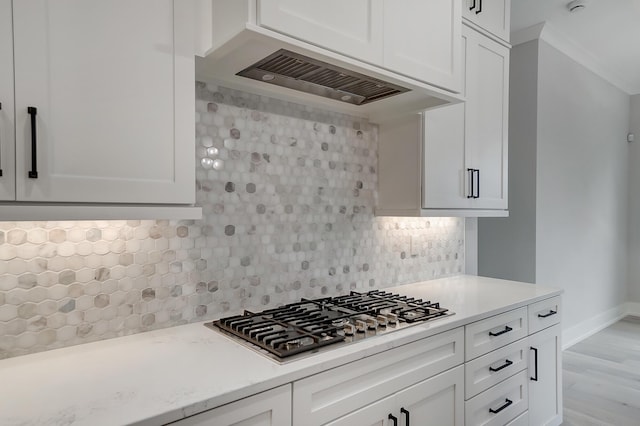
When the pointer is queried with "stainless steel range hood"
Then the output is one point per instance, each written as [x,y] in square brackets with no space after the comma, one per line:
[299,72]
[261,61]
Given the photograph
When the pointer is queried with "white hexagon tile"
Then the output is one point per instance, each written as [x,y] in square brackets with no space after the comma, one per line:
[288,194]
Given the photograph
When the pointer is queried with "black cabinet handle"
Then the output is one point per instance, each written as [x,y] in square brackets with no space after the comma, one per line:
[507,403]
[499,333]
[394,419]
[551,312]
[0,145]
[477,172]
[33,173]
[505,365]
[407,415]
[479,8]
[471,190]
[473,5]
[535,363]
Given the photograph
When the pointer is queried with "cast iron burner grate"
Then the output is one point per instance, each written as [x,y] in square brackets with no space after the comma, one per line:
[309,325]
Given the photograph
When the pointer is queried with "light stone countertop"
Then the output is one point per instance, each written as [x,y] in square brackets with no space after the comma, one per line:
[165,375]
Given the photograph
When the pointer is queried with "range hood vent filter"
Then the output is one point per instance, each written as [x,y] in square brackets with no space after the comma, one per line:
[298,72]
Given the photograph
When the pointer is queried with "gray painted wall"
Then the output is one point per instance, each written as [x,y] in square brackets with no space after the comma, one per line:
[634,202]
[507,245]
[568,185]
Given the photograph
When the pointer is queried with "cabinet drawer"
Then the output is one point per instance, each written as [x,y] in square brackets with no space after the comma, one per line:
[521,420]
[492,368]
[499,404]
[543,314]
[494,332]
[326,396]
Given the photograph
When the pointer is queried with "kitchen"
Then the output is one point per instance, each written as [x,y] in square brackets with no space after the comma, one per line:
[287,205]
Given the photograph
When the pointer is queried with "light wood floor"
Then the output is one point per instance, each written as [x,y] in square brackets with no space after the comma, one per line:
[601,377]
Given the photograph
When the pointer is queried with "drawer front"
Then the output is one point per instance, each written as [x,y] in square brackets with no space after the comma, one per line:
[521,420]
[492,333]
[544,313]
[500,404]
[326,396]
[492,368]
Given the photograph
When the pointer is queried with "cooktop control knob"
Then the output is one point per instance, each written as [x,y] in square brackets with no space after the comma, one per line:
[361,326]
[372,324]
[349,329]
[382,320]
[393,319]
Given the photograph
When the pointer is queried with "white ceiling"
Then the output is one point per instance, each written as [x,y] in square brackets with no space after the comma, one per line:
[608,30]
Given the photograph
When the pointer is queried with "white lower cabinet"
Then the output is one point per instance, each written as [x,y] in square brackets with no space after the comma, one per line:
[436,401]
[270,408]
[335,393]
[545,377]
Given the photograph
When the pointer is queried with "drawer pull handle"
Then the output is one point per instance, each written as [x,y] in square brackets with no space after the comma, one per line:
[507,403]
[479,9]
[473,5]
[499,333]
[551,312]
[535,362]
[394,419]
[505,365]
[33,173]
[406,414]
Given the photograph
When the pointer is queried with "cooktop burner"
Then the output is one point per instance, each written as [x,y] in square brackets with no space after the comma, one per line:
[313,324]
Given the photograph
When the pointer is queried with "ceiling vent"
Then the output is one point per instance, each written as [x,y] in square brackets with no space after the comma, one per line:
[294,71]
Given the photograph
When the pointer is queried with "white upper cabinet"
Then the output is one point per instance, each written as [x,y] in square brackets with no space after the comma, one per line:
[352,27]
[493,16]
[104,100]
[422,40]
[452,160]
[7,128]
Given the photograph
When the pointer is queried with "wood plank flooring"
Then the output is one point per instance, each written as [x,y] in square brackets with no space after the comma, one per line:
[601,377]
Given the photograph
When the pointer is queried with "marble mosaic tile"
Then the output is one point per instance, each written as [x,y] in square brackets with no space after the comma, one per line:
[288,194]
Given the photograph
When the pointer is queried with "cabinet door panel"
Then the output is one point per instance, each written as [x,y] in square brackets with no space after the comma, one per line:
[114,102]
[376,414]
[7,134]
[445,183]
[422,41]
[353,28]
[436,401]
[493,16]
[545,394]
[487,121]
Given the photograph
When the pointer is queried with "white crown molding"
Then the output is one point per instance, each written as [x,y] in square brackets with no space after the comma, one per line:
[557,39]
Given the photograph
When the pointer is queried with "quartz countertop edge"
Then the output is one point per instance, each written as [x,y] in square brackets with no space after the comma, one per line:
[165,375]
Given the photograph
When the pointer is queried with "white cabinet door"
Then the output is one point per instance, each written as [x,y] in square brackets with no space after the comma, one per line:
[353,28]
[270,408]
[112,84]
[492,15]
[486,130]
[545,377]
[7,133]
[445,177]
[465,145]
[434,402]
[376,414]
[422,41]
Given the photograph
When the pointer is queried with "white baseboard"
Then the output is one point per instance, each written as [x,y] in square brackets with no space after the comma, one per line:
[581,331]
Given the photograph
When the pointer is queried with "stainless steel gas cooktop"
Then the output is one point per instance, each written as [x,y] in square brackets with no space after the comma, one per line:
[311,325]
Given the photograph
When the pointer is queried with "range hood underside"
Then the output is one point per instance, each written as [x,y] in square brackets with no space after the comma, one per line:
[255,47]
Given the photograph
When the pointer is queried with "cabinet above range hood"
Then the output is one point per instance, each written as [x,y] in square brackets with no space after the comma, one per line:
[239,49]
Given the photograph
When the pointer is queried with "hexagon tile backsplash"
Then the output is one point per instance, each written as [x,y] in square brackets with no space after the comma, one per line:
[288,194]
